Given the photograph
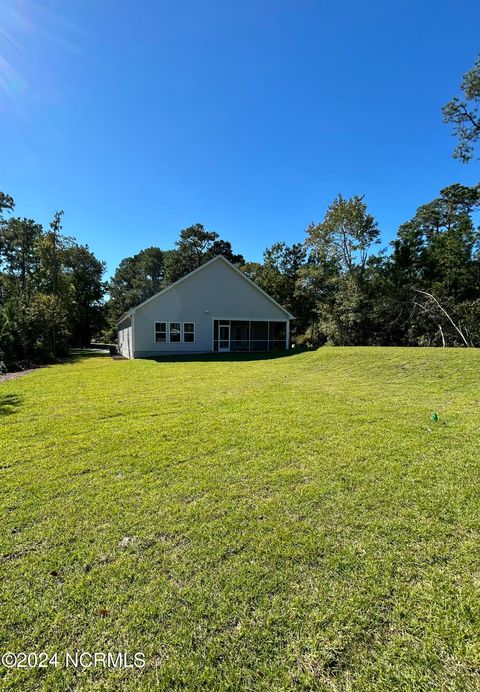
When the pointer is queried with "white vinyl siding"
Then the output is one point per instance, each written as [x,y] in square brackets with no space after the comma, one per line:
[125,338]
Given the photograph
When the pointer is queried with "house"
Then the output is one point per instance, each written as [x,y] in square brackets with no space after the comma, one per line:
[215,308]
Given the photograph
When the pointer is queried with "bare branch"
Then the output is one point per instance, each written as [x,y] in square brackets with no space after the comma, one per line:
[441,332]
[432,297]
[422,307]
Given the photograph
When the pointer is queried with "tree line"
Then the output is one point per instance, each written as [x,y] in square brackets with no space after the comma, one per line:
[51,290]
[423,291]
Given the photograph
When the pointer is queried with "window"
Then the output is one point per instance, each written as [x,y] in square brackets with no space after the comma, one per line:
[175,331]
[189,332]
[160,332]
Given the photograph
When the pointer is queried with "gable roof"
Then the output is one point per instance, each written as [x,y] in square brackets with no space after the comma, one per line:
[199,269]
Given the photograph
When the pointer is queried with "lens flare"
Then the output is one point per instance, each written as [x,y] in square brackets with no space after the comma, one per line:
[33,40]
[14,30]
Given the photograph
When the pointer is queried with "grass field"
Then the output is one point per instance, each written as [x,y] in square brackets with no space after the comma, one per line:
[266,524]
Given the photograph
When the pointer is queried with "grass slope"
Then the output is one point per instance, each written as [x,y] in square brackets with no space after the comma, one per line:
[298,522]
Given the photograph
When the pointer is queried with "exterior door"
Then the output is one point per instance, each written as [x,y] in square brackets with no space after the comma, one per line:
[224,337]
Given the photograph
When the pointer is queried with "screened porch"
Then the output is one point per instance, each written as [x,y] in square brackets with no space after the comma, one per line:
[249,335]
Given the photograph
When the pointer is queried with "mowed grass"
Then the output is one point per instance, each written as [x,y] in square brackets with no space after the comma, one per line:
[294,523]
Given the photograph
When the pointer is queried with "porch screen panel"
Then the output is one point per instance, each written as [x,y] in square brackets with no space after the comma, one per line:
[277,336]
[239,336]
[259,336]
[252,335]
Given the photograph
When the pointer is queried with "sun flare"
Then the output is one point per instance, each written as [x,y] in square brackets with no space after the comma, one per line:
[16,28]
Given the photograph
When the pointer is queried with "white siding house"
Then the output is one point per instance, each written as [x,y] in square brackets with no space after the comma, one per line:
[214,308]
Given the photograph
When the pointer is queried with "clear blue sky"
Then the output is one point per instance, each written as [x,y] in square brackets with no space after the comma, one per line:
[139,118]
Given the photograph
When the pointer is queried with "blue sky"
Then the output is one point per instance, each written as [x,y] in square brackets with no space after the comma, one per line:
[249,116]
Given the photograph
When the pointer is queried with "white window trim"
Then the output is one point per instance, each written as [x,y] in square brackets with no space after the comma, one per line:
[194,332]
[155,331]
[180,331]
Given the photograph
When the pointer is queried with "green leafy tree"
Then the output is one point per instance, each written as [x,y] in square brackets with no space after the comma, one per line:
[281,276]
[194,247]
[224,248]
[51,290]
[347,233]
[19,240]
[438,248]
[191,250]
[135,279]
[7,203]
[10,305]
[85,273]
[55,239]
[18,258]
[318,281]
[344,240]
[464,115]
[48,319]
[434,271]
[52,280]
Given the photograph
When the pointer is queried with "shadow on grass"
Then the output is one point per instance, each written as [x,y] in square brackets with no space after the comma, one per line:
[227,357]
[77,354]
[8,404]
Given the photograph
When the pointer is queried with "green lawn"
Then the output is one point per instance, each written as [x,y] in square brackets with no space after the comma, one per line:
[296,522]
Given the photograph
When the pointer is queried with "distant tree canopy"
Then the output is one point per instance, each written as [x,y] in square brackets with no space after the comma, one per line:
[84,273]
[280,276]
[438,252]
[136,279]
[194,247]
[346,234]
[425,291]
[51,290]
[464,115]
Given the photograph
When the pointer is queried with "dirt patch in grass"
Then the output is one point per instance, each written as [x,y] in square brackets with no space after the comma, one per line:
[14,375]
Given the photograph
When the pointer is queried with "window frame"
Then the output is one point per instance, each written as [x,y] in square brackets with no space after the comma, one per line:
[192,332]
[155,331]
[168,329]
[180,333]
